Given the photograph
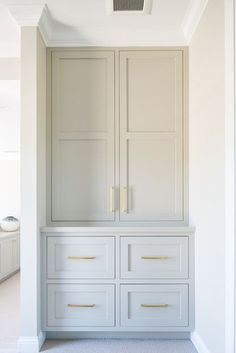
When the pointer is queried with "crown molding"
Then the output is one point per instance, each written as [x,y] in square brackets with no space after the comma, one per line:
[26,15]
[33,16]
[45,25]
[99,36]
[192,18]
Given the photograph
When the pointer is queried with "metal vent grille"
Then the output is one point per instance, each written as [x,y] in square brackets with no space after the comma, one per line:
[128,5]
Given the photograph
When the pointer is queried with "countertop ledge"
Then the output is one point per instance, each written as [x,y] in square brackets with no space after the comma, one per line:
[120,230]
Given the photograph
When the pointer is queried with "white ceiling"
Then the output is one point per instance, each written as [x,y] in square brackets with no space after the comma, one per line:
[86,22]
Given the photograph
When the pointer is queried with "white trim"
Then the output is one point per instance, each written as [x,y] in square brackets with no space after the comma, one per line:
[31,344]
[26,15]
[230,176]
[45,25]
[198,343]
[192,18]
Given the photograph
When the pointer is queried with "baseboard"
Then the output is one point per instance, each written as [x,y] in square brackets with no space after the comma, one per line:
[198,343]
[31,344]
[118,335]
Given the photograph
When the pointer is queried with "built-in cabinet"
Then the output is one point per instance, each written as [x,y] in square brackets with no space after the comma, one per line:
[117,136]
[9,254]
[117,168]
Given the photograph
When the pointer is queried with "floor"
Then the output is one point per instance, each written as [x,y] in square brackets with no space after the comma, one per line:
[9,332]
[118,346]
[9,313]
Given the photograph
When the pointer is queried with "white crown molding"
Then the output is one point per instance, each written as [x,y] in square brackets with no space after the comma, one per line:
[100,36]
[26,15]
[192,18]
[45,25]
[33,15]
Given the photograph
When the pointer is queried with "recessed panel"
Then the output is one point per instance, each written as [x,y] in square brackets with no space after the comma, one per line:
[82,94]
[154,305]
[80,188]
[74,305]
[153,88]
[154,179]
[154,257]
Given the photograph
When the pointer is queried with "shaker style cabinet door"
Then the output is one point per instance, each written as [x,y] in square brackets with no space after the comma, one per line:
[82,135]
[151,135]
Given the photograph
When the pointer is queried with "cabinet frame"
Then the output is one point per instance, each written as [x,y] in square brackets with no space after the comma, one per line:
[117,221]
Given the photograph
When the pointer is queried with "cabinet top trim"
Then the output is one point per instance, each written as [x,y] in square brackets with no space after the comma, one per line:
[121,230]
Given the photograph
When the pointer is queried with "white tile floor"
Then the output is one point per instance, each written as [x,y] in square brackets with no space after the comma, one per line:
[9,313]
[9,332]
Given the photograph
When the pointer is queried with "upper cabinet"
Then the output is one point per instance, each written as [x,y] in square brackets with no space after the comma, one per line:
[151,141]
[82,135]
[117,146]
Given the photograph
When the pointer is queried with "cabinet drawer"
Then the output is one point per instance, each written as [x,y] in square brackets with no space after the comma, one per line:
[154,257]
[71,305]
[80,257]
[154,305]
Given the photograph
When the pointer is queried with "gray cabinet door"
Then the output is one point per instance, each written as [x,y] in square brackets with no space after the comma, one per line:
[82,135]
[151,135]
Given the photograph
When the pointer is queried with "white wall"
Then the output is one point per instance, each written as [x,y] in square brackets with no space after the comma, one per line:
[207,174]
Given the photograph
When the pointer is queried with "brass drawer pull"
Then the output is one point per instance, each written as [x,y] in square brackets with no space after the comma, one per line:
[81,257]
[154,257]
[81,305]
[154,305]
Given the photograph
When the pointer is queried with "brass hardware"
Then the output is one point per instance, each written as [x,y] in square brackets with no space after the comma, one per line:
[124,200]
[154,257]
[81,257]
[154,305]
[111,200]
[81,305]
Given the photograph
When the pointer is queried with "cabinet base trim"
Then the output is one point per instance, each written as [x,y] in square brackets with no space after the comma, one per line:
[118,335]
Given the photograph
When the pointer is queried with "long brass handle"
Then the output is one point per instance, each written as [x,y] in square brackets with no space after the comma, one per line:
[124,200]
[111,200]
[154,305]
[81,257]
[154,257]
[81,305]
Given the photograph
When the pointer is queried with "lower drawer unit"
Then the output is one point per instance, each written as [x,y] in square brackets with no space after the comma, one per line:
[70,305]
[154,305]
[118,280]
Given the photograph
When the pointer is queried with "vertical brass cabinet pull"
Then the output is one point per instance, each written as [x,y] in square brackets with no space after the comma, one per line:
[80,305]
[154,305]
[124,200]
[111,199]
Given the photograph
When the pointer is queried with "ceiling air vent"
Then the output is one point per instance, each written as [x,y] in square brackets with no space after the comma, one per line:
[129,6]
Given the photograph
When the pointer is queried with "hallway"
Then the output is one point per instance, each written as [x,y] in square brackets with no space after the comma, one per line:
[9,313]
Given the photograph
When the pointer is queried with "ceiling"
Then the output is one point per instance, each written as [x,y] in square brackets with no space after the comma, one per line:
[87,22]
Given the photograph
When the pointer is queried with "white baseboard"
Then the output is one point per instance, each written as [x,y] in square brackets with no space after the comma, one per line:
[31,344]
[198,343]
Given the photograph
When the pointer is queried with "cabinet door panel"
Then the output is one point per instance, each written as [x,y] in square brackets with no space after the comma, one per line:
[151,146]
[82,135]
